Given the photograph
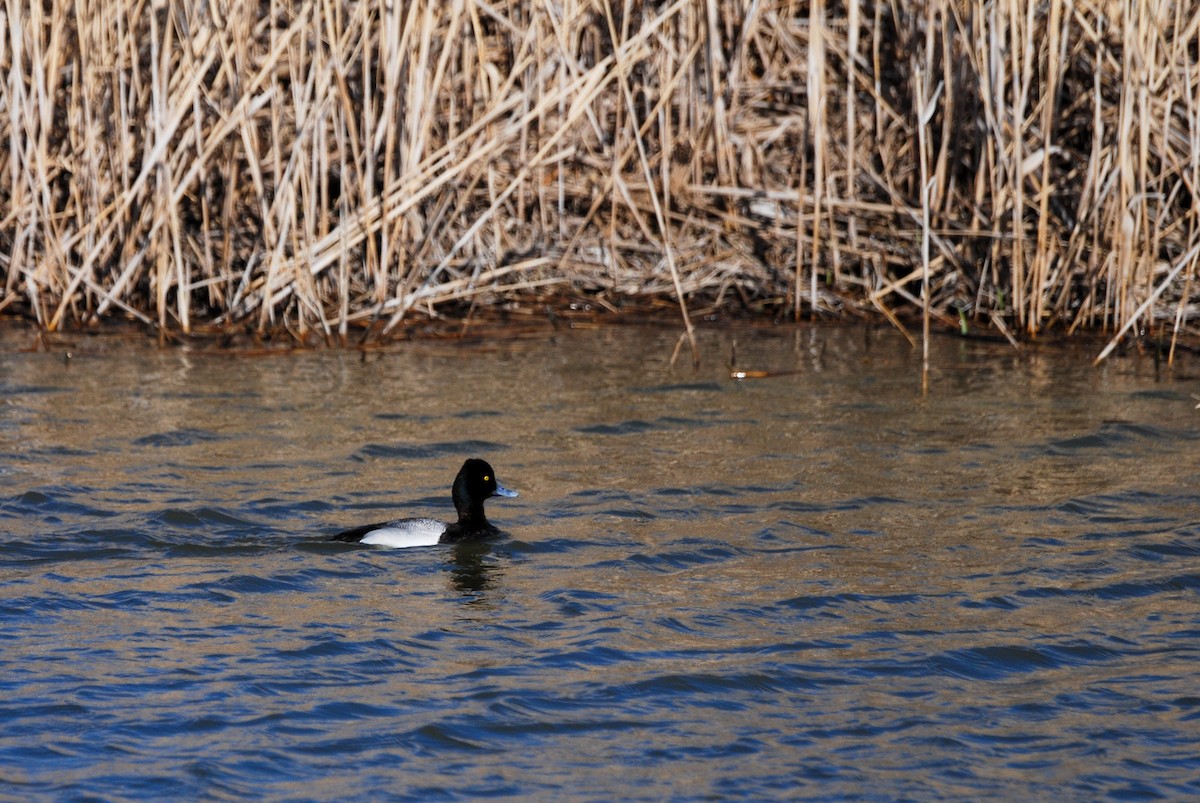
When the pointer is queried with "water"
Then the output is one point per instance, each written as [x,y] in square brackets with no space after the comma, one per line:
[820,584]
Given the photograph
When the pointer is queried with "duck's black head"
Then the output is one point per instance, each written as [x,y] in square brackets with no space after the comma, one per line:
[476,481]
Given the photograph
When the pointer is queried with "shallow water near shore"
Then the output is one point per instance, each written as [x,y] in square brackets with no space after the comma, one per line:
[818,584]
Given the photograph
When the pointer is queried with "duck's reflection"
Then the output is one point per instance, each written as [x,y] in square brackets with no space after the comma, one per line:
[472,574]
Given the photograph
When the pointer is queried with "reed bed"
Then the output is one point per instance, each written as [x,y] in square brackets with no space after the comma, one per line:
[316,167]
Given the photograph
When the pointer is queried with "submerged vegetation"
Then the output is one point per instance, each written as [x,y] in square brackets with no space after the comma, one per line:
[318,166]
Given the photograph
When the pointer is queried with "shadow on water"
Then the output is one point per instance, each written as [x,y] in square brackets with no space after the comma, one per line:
[819,584]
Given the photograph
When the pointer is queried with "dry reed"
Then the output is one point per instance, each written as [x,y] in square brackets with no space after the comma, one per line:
[310,166]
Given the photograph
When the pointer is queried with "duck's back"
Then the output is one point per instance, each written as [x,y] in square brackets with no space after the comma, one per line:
[399,533]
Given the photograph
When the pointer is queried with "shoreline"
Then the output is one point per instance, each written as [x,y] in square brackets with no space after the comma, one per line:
[508,325]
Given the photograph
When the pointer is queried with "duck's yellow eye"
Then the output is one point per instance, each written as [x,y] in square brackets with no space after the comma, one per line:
[486,478]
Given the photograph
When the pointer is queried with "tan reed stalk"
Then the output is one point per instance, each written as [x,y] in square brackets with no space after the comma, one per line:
[925,106]
[1190,93]
[853,24]
[817,122]
[1042,248]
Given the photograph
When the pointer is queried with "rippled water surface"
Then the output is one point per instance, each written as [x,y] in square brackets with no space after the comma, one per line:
[818,584]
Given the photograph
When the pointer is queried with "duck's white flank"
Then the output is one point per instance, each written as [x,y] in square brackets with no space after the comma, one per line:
[406,533]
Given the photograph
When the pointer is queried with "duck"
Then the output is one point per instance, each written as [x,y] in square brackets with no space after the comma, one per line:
[475,483]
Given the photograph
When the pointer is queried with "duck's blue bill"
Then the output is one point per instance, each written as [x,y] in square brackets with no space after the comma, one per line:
[502,491]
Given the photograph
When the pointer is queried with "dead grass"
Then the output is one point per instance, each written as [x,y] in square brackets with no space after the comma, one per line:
[318,165]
